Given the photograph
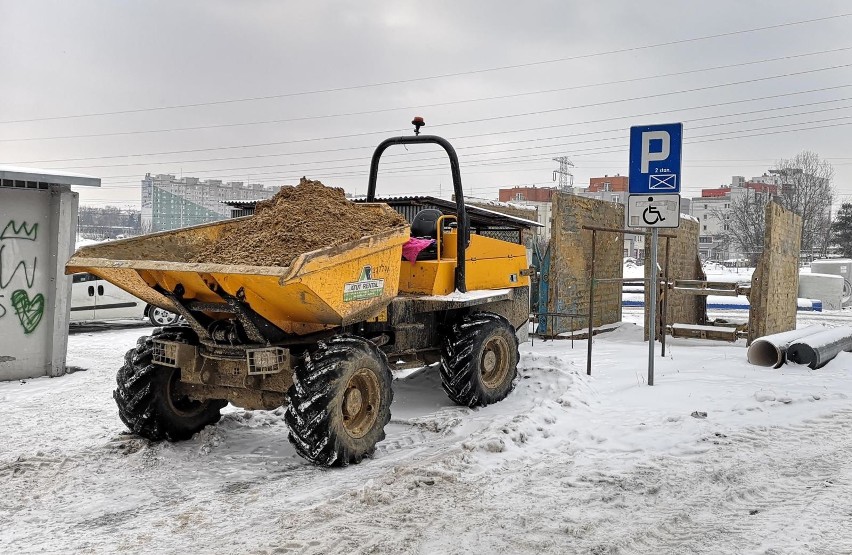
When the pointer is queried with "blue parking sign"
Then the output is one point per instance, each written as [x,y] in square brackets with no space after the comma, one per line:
[655,153]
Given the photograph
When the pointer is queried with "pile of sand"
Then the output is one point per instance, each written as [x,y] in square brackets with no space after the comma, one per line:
[296,220]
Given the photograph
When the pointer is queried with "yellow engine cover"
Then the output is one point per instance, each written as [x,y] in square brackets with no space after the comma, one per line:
[489,264]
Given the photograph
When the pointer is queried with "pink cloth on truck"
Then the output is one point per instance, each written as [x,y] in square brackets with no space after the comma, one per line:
[412,248]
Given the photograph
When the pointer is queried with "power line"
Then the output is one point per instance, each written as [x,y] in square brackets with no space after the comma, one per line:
[480,189]
[441,76]
[421,106]
[623,147]
[360,175]
[690,120]
[277,143]
[409,156]
[325,173]
[613,149]
[540,156]
[470,189]
[391,154]
[676,110]
[645,97]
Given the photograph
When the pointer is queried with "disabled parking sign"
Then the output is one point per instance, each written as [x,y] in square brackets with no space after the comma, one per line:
[655,156]
[653,211]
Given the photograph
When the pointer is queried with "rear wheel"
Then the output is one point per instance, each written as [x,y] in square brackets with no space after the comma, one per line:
[339,402]
[479,359]
[147,400]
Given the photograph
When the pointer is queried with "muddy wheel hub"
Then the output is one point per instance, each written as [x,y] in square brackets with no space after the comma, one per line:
[361,400]
[353,401]
[489,361]
[494,363]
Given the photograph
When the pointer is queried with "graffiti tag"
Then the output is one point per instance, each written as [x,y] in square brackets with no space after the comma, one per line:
[29,277]
[29,311]
[12,231]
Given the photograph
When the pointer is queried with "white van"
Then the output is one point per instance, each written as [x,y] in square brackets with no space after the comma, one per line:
[93,298]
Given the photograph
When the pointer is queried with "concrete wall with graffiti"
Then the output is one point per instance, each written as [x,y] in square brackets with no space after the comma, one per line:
[32,308]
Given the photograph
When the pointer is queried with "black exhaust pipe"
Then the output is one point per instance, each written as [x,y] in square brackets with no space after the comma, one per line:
[818,349]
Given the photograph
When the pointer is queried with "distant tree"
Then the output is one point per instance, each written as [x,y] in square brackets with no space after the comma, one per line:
[841,229]
[805,189]
[745,221]
[107,221]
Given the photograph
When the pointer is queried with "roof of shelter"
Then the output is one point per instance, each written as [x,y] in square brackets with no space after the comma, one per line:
[55,177]
[478,216]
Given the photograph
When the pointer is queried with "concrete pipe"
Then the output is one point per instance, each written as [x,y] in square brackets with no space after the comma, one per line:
[771,350]
[818,349]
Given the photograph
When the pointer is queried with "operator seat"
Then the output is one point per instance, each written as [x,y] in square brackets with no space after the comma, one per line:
[425,226]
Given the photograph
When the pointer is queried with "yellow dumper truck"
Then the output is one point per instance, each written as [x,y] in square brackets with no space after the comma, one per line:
[317,334]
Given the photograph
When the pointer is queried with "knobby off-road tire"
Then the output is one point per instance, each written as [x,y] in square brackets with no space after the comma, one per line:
[145,398]
[479,359]
[339,402]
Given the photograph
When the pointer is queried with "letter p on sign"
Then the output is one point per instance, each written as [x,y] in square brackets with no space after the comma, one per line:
[656,156]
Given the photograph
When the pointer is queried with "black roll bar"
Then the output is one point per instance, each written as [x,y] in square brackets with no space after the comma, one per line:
[457,186]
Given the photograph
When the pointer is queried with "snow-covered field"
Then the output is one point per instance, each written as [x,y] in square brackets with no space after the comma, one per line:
[717,457]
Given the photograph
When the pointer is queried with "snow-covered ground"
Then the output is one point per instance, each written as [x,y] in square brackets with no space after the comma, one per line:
[717,457]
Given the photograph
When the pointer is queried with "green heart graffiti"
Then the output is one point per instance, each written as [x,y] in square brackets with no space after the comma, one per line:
[29,311]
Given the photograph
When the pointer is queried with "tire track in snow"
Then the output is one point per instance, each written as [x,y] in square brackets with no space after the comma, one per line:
[746,493]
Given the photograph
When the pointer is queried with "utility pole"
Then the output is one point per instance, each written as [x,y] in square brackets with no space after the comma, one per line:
[566,178]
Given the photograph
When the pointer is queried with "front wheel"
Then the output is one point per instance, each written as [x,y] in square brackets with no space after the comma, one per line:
[147,400]
[479,359]
[339,402]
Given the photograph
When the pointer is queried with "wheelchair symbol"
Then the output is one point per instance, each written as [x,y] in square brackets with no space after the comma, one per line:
[652,211]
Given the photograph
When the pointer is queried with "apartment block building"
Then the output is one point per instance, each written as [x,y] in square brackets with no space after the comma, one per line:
[539,198]
[608,183]
[169,202]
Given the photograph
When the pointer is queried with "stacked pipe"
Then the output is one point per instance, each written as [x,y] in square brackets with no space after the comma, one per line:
[771,350]
[818,349]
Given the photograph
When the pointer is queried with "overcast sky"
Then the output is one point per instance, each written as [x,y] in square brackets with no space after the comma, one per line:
[338,77]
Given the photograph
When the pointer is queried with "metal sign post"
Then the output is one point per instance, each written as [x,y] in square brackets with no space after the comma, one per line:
[653,283]
[654,202]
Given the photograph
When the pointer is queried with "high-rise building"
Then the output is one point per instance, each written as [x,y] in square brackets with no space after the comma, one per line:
[170,203]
